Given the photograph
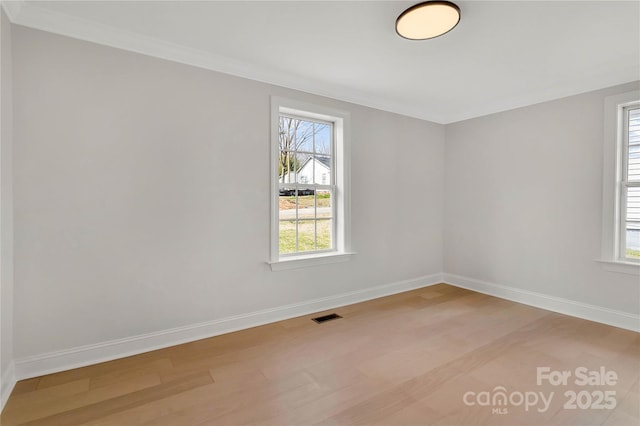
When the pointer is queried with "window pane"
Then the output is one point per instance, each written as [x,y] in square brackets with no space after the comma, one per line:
[633,241]
[306,203]
[322,169]
[304,135]
[323,202]
[633,204]
[287,214]
[306,235]
[287,204]
[324,231]
[634,145]
[287,236]
[287,167]
[299,230]
[323,139]
[305,220]
[290,134]
[305,168]
[632,236]
[634,163]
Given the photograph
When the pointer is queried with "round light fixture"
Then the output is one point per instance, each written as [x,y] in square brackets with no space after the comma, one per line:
[427,20]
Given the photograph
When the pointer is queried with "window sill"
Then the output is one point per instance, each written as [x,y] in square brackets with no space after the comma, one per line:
[307,261]
[620,266]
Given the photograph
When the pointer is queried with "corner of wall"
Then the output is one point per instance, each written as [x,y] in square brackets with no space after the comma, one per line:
[7,369]
[8,382]
[615,318]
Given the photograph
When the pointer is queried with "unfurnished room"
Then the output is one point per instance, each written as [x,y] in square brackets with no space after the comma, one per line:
[291,213]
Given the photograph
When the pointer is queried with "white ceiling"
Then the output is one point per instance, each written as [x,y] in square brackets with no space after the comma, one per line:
[502,55]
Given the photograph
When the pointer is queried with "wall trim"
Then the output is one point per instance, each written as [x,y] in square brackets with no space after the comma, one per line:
[29,15]
[12,8]
[572,308]
[81,356]
[8,382]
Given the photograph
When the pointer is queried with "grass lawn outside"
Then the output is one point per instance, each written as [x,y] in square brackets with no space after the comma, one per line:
[306,233]
[312,234]
[634,254]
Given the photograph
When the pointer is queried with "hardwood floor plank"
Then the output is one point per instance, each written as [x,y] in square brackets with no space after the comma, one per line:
[355,390]
[115,376]
[24,386]
[381,405]
[30,405]
[128,400]
[234,405]
[146,412]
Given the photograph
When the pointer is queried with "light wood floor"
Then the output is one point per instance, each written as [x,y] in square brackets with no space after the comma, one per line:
[406,359]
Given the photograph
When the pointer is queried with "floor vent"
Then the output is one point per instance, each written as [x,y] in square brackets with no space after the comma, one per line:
[326,318]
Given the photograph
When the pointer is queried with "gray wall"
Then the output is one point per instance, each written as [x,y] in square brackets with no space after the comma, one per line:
[142,196]
[6,207]
[523,203]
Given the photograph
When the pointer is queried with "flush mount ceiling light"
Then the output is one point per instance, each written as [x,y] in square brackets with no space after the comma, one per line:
[427,20]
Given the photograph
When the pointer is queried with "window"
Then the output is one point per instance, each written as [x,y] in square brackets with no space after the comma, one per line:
[630,184]
[310,185]
[621,189]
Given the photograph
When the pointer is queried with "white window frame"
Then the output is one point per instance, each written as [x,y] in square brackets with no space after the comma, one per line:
[342,184]
[614,185]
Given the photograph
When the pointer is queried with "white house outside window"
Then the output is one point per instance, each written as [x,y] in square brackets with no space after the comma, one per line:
[310,184]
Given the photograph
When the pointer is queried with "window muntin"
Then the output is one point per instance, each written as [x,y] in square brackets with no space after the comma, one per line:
[306,211]
[629,191]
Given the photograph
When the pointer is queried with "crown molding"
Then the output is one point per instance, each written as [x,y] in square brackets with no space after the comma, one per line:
[590,81]
[28,15]
[12,8]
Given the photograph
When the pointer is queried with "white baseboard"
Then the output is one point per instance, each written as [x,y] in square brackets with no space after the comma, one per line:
[7,383]
[53,362]
[106,351]
[551,303]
